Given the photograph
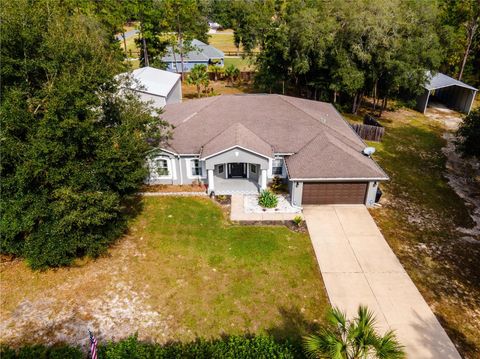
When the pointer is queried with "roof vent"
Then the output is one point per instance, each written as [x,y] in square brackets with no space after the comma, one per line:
[368,151]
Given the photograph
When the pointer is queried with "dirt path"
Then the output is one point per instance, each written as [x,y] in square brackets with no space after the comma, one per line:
[463,175]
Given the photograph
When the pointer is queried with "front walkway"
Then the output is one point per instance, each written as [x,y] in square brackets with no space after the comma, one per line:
[231,186]
[358,267]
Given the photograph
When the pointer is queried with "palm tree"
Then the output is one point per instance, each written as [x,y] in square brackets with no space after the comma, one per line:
[352,339]
[231,72]
[198,76]
[217,71]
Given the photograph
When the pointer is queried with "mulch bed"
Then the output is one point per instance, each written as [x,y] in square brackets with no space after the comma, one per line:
[167,188]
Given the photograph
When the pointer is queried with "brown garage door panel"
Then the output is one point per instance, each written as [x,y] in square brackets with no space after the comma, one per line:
[334,193]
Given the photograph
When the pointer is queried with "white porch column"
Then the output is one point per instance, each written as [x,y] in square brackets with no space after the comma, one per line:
[263,180]
[211,187]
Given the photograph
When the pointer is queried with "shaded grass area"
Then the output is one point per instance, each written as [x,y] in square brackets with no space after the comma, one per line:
[183,272]
[420,218]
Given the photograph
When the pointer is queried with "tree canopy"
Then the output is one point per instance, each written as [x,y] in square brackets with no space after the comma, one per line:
[72,149]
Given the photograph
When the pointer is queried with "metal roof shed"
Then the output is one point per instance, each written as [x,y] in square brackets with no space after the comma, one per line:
[453,93]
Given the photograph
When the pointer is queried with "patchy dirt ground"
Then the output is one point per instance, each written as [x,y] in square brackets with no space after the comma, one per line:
[182,272]
[428,217]
[463,174]
[99,297]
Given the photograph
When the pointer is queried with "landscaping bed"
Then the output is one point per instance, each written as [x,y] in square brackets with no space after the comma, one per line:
[170,188]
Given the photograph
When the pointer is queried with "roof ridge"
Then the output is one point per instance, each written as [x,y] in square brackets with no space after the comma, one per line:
[322,123]
[308,142]
[372,161]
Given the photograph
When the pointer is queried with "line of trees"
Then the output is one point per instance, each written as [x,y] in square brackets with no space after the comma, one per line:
[340,51]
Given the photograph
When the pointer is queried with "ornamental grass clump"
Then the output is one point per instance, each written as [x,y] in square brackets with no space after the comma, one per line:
[268,199]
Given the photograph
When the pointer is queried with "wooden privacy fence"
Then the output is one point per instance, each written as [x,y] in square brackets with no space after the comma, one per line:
[369,132]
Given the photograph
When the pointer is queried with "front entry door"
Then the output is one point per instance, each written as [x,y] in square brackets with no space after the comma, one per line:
[237,170]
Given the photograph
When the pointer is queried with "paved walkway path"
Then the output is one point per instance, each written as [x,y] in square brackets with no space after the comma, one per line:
[358,267]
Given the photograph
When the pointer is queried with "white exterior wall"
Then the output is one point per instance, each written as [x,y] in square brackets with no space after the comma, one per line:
[157,101]
[175,95]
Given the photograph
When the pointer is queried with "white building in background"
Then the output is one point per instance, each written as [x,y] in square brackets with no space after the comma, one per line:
[157,86]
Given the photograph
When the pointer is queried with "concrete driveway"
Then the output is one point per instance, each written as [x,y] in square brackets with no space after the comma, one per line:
[358,267]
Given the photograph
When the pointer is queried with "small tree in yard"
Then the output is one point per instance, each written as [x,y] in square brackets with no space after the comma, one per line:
[216,70]
[232,73]
[199,77]
[352,339]
[469,135]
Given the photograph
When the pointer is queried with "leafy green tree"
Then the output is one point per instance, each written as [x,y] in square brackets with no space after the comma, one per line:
[460,22]
[469,135]
[182,21]
[198,76]
[231,73]
[352,339]
[72,148]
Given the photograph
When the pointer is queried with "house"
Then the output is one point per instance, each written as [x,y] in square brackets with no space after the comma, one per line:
[213,27]
[151,84]
[239,143]
[445,89]
[202,54]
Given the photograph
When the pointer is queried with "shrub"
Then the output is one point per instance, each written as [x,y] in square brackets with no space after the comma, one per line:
[468,142]
[42,352]
[267,199]
[276,184]
[298,220]
[227,347]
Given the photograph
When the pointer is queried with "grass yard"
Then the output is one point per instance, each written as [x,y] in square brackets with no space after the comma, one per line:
[242,64]
[183,271]
[421,217]
[223,41]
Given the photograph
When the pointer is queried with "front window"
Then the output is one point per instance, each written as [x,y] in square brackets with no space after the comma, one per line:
[221,169]
[277,167]
[253,168]
[196,168]
[162,167]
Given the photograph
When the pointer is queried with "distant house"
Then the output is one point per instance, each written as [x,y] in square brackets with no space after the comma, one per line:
[202,54]
[452,93]
[159,86]
[214,26]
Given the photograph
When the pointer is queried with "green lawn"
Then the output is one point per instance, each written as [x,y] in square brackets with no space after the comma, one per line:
[420,217]
[182,271]
[223,41]
[242,64]
[236,278]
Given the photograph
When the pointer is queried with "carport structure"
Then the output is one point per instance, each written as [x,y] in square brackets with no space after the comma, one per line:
[445,89]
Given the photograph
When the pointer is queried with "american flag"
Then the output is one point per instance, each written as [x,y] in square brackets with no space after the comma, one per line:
[93,346]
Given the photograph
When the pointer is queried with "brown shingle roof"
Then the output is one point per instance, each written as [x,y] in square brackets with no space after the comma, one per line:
[236,135]
[284,124]
[337,161]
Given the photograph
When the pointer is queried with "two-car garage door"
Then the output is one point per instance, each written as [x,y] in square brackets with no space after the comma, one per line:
[334,193]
